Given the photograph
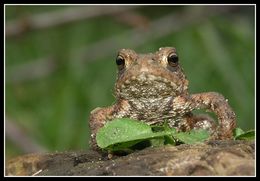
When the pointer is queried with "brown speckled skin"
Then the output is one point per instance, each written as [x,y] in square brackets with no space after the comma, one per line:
[151,89]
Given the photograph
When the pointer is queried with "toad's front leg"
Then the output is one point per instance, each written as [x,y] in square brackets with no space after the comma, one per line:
[216,103]
[99,117]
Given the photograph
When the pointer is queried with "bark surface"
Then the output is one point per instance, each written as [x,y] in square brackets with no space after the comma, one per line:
[211,158]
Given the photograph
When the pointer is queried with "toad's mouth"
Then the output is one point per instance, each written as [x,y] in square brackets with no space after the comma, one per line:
[146,86]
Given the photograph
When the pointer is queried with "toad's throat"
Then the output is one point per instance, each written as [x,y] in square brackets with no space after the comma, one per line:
[146,86]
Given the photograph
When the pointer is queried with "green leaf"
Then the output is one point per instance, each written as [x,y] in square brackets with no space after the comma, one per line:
[192,137]
[156,142]
[237,132]
[122,130]
[121,134]
[248,135]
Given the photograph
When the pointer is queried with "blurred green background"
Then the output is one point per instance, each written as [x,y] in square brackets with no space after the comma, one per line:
[60,63]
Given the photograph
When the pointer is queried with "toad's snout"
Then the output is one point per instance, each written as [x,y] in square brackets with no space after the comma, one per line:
[147,66]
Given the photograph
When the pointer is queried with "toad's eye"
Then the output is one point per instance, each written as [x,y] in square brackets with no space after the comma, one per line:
[120,61]
[173,60]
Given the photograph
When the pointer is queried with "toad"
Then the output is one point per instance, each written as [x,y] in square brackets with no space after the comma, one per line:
[153,88]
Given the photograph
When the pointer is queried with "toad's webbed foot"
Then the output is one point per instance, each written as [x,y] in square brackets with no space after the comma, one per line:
[195,122]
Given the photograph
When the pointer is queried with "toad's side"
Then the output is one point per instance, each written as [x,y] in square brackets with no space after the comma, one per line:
[153,88]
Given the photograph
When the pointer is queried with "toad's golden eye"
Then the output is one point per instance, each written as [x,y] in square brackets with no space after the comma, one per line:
[120,61]
[173,59]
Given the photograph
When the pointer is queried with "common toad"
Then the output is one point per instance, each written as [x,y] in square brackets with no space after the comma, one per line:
[153,88]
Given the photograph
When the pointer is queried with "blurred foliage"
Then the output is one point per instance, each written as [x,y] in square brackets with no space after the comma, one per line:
[217,55]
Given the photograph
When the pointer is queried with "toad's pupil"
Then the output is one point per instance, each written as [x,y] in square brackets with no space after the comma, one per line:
[173,59]
[120,61]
